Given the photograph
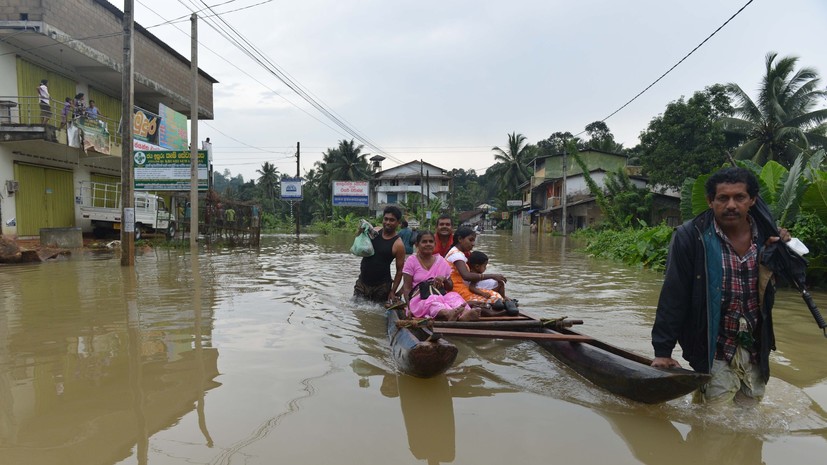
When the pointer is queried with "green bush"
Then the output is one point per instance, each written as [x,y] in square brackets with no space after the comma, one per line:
[644,246]
[813,233]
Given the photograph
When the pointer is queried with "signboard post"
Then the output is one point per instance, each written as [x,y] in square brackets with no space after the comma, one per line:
[350,194]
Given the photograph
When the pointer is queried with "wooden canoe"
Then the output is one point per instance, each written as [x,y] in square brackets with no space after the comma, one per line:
[617,370]
[416,351]
[622,372]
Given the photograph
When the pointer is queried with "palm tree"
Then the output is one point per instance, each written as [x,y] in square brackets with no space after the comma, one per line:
[268,181]
[781,123]
[347,162]
[513,169]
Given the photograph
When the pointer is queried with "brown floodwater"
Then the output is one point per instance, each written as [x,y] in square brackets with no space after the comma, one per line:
[259,357]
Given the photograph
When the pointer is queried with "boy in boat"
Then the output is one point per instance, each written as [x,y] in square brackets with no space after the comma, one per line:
[478,263]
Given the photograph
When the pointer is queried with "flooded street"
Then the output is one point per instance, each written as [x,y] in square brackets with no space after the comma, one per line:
[261,357]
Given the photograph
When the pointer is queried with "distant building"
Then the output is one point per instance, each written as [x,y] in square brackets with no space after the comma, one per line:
[66,43]
[543,193]
[401,184]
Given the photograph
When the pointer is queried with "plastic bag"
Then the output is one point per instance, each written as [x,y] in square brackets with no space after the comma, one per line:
[362,246]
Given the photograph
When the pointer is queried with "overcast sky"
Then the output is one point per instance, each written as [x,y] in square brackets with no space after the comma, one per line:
[447,80]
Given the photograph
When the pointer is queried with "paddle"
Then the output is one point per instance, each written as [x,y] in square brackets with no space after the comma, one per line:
[499,334]
[781,259]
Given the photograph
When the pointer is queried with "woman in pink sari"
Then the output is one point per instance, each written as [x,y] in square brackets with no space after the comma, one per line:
[425,276]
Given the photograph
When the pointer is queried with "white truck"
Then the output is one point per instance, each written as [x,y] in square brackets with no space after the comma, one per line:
[101,203]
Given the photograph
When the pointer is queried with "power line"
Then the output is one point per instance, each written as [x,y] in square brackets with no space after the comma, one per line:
[258,56]
[676,64]
[185,18]
[247,74]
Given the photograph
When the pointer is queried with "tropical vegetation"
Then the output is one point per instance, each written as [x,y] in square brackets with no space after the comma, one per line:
[782,121]
[687,139]
[511,167]
[777,133]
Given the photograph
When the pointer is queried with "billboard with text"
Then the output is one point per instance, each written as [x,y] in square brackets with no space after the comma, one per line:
[350,193]
[168,170]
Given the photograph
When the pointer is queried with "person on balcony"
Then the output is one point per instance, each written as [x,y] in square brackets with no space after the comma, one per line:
[64,114]
[92,111]
[80,106]
[43,98]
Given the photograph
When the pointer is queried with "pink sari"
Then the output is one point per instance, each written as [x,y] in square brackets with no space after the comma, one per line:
[430,307]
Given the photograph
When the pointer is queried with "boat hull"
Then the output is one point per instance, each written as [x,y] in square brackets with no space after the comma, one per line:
[622,372]
[414,354]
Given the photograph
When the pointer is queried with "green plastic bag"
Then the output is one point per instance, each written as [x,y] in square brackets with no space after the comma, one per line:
[362,246]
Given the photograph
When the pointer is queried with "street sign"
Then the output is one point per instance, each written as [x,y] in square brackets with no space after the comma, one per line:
[291,189]
[350,193]
[514,203]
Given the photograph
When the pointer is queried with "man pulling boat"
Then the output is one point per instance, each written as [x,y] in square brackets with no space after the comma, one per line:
[717,298]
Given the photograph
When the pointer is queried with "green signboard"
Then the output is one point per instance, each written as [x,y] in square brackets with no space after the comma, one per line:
[168,170]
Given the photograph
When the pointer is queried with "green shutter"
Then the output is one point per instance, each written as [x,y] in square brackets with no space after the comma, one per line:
[45,199]
[29,76]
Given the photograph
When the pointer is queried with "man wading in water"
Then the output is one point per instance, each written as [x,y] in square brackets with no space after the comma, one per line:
[375,282]
[716,300]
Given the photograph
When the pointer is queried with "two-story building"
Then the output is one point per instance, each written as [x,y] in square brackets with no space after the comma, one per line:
[77,46]
[396,185]
[543,194]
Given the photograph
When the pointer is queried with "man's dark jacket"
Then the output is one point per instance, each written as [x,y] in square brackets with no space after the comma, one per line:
[689,308]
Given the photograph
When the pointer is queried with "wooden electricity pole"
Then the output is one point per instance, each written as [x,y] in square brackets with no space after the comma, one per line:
[127,172]
[563,197]
[194,134]
[298,175]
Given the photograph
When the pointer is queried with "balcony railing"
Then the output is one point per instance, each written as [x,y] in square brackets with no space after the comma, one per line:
[17,110]
[411,188]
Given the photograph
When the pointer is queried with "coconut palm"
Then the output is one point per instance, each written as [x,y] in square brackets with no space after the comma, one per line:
[347,162]
[513,162]
[268,181]
[781,123]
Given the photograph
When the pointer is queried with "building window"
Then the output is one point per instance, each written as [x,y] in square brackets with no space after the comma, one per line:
[393,197]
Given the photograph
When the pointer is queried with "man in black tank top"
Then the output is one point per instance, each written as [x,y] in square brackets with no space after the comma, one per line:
[375,282]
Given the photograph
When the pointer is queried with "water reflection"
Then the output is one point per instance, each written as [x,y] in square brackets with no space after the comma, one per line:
[428,412]
[656,441]
[91,370]
[99,367]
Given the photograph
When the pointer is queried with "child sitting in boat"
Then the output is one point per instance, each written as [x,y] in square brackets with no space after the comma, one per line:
[478,263]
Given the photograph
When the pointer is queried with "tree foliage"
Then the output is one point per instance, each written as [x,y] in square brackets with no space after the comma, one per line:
[687,139]
[601,138]
[781,122]
[511,168]
[268,182]
[556,143]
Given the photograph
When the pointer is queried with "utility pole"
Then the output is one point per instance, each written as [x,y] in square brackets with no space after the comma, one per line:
[422,189]
[127,171]
[194,134]
[298,175]
[564,219]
